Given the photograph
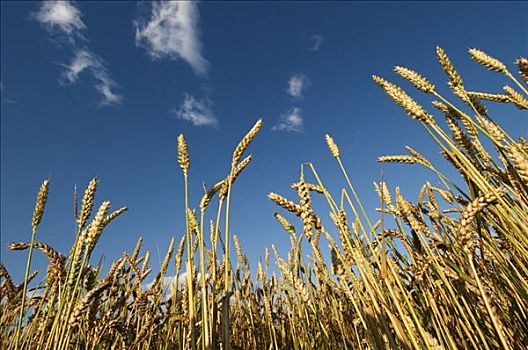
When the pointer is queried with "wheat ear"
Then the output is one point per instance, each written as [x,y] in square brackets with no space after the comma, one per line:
[244,143]
[183,154]
[491,63]
[416,79]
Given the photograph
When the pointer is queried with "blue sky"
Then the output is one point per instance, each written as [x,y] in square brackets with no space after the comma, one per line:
[104,88]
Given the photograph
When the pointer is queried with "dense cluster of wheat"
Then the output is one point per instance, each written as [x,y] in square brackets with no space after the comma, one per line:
[447,272]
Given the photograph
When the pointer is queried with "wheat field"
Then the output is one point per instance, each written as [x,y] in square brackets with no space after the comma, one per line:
[449,271]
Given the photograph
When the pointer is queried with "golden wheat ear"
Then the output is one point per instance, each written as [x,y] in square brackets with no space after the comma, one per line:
[183,154]
[516,98]
[244,143]
[522,65]
[416,79]
[491,63]
[332,146]
[455,80]
[42,198]
[87,203]
[403,159]
[400,97]
[488,97]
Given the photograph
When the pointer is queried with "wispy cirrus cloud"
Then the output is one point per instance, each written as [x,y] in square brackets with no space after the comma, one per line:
[296,85]
[65,17]
[197,111]
[317,41]
[85,60]
[81,61]
[172,32]
[62,16]
[292,121]
[3,98]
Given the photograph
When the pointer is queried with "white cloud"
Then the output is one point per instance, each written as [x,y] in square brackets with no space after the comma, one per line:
[317,42]
[80,62]
[109,97]
[62,15]
[172,32]
[197,111]
[290,121]
[296,84]
[3,98]
[2,88]
[85,60]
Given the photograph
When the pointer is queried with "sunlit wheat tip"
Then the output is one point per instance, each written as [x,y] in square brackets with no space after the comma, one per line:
[137,248]
[244,143]
[17,246]
[332,146]
[454,78]
[383,192]
[398,159]
[419,157]
[285,203]
[87,203]
[285,223]
[522,64]
[398,95]
[166,260]
[516,98]
[96,227]
[489,97]
[42,198]
[238,249]
[113,215]
[183,155]
[53,256]
[379,80]
[487,61]
[416,79]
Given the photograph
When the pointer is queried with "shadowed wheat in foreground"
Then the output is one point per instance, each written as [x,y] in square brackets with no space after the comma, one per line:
[447,272]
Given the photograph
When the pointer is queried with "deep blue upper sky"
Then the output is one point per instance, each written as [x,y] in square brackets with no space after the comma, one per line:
[305,67]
